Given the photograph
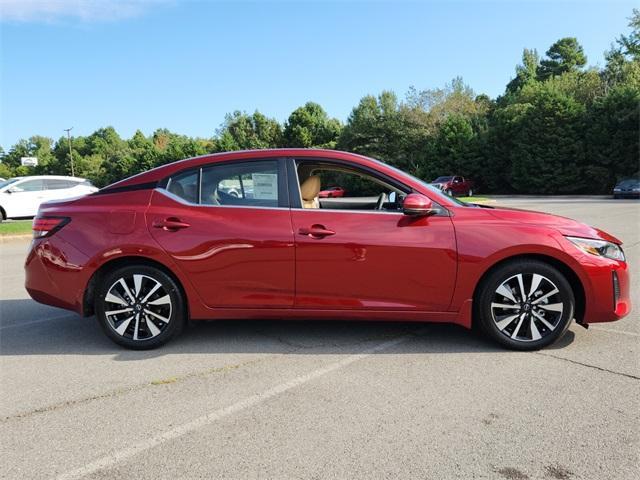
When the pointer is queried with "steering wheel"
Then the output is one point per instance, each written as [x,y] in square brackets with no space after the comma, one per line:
[382,199]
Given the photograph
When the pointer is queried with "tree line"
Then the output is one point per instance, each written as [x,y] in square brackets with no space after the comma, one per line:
[560,127]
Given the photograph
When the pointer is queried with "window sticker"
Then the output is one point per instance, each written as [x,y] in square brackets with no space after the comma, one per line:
[265,186]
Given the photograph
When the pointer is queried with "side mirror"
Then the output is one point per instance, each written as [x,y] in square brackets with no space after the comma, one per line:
[14,189]
[417,205]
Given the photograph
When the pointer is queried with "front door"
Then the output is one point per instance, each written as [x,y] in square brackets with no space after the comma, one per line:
[25,198]
[228,228]
[360,252]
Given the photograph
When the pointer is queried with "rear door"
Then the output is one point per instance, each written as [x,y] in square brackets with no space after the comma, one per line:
[228,228]
[59,188]
[26,197]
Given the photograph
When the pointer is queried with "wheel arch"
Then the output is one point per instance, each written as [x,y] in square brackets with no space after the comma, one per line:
[89,292]
[571,276]
[3,213]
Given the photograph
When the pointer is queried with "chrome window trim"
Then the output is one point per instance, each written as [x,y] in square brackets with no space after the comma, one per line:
[345,210]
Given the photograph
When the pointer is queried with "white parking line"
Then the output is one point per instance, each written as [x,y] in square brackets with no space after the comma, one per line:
[24,324]
[125,453]
[613,330]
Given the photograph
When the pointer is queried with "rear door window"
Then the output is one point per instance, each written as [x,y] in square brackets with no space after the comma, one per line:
[185,185]
[250,184]
[31,185]
[59,184]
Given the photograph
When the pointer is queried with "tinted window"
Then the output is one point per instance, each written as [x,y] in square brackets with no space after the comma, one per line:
[31,186]
[442,179]
[629,183]
[8,182]
[241,183]
[57,184]
[185,185]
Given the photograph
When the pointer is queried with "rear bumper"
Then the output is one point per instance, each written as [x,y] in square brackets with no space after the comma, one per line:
[54,274]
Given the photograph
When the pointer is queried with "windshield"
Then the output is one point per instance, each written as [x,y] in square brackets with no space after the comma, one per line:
[8,182]
[442,179]
[630,182]
[437,192]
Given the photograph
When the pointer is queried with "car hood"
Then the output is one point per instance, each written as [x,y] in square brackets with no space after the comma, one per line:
[564,225]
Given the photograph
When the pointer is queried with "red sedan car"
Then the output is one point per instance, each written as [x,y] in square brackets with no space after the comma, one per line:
[454,185]
[147,253]
[332,192]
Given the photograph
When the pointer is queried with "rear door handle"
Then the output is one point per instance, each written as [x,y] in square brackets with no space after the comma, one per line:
[316,231]
[170,224]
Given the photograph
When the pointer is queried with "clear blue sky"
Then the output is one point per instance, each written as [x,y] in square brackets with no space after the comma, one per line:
[184,64]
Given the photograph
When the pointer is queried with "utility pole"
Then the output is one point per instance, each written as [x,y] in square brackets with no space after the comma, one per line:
[68,130]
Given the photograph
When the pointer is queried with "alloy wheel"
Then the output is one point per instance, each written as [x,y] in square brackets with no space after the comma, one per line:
[527,307]
[137,307]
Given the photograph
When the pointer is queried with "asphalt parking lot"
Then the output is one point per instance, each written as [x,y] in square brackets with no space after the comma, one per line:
[320,399]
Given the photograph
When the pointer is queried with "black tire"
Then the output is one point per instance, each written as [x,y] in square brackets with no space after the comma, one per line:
[496,321]
[165,302]
[449,192]
[470,192]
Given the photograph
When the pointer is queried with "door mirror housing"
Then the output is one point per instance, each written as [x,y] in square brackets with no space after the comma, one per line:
[417,205]
[14,190]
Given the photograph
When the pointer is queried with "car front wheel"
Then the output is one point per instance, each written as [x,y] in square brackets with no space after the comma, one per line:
[525,305]
[139,307]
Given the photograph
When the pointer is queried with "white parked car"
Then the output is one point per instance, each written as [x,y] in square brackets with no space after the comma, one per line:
[21,196]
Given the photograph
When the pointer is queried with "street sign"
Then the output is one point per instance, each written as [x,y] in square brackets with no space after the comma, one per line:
[29,161]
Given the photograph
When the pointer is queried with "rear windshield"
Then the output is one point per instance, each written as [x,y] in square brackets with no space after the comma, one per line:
[442,179]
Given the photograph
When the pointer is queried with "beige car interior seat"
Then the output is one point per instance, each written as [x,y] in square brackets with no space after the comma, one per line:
[309,191]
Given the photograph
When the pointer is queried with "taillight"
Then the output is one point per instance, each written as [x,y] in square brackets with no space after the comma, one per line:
[47,226]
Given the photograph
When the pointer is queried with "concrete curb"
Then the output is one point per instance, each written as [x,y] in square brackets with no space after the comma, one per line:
[15,238]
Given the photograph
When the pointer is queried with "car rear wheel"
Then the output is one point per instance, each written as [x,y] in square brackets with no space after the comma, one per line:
[470,192]
[525,305]
[140,307]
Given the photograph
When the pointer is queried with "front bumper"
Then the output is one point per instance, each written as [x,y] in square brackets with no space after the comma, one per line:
[626,194]
[607,299]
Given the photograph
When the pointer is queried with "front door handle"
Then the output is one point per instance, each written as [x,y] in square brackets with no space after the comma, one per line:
[170,224]
[316,231]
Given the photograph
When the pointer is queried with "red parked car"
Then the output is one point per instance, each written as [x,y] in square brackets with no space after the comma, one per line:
[332,192]
[148,252]
[454,185]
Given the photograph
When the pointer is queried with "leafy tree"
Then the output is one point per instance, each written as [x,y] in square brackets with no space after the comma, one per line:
[241,131]
[451,151]
[525,73]
[310,126]
[566,55]
[547,154]
[630,44]
[612,138]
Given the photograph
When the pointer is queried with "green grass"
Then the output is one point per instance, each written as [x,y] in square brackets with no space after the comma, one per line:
[474,199]
[15,227]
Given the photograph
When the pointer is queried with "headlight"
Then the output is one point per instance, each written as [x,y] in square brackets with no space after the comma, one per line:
[600,248]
